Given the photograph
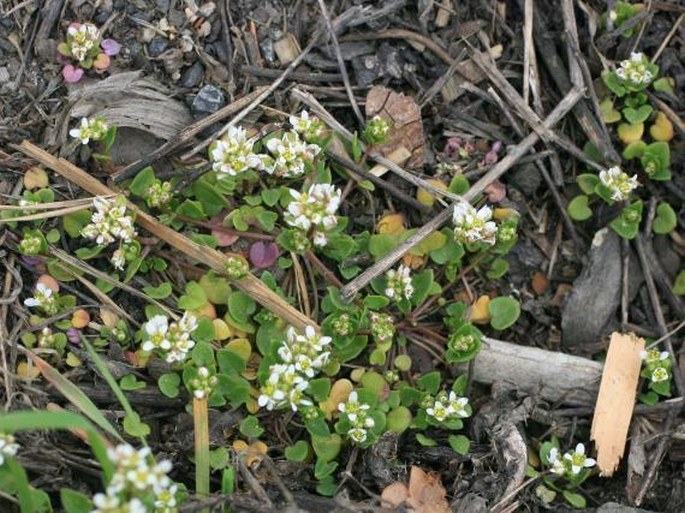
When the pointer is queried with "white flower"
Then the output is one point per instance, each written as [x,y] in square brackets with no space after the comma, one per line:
[8,447]
[233,154]
[398,283]
[106,503]
[635,69]
[473,226]
[156,329]
[457,405]
[654,355]
[109,222]
[82,39]
[173,340]
[314,210]
[166,499]
[618,182]
[42,297]
[659,374]
[118,261]
[554,460]
[578,460]
[310,127]
[438,411]
[357,434]
[94,129]
[290,153]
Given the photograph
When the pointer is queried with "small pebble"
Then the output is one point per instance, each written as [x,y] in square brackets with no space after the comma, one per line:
[193,75]
[208,100]
[157,46]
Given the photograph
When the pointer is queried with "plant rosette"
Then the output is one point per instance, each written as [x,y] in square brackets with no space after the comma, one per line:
[85,49]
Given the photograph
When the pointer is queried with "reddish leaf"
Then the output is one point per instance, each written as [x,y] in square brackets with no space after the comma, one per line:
[110,46]
[72,74]
[264,254]
[101,62]
[496,191]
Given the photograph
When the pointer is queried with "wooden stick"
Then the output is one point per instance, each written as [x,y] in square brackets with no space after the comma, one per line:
[251,285]
[518,151]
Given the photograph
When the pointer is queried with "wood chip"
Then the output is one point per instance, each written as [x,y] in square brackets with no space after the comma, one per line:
[399,156]
[405,114]
[616,400]
[287,49]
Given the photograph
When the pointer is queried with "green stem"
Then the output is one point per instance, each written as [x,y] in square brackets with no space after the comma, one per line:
[201,420]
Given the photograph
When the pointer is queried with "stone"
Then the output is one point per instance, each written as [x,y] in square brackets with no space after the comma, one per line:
[157,46]
[192,76]
[208,100]
[596,293]
[614,507]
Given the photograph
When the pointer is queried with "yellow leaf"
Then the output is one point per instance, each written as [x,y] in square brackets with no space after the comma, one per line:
[428,198]
[36,178]
[356,374]
[251,406]
[339,393]
[662,129]
[479,313]
[80,319]
[207,310]
[251,454]
[630,133]
[392,224]
[109,318]
[73,360]
[241,346]
[504,213]
[222,331]
[434,241]
[414,261]
[27,371]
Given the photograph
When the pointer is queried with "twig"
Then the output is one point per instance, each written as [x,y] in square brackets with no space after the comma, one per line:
[513,156]
[341,63]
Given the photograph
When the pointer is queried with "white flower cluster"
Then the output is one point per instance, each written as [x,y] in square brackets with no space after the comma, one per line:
[448,406]
[173,340]
[658,363]
[8,447]
[314,212]
[290,154]
[82,39]
[137,475]
[203,385]
[398,284]
[158,194]
[43,298]
[618,182]
[301,358]
[471,225]
[357,414]
[571,461]
[309,127]
[94,129]
[30,244]
[377,130]
[110,222]
[635,70]
[233,154]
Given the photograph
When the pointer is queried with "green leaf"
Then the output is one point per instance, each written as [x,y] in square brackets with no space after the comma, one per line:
[376,302]
[212,201]
[192,209]
[142,182]
[634,150]
[89,253]
[53,236]
[664,85]
[679,284]
[574,499]
[298,451]
[203,355]
[425,441]
[628,223]
[656,161]
[608,112]
[271,196]
[219,458]
[381,244]
[250,427]
[168,384]
[134,426]
[73,223]
[75,502]
[422,285]
[504,312]
[323,469]
[459,185]
[587,182]
[230,361]
[319,389]
[129,382]
[614,83]
[665,220]
[430,382]
[241,306]
[578,208]
[162,291]
[498,268]
[194,297]
[398,419]
[638,115]
[267,219]
[459,444]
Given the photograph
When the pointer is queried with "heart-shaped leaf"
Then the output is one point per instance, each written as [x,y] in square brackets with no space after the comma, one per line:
[630,133]
[638,115]
[72,74]
[578,208]
[634,150]
[101,62]
[110,46]
[665,220]
[609,114]
[662,129]
[264,254]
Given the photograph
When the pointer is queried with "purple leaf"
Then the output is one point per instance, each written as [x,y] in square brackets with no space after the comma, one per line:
[110,46]
[74,336]
[72,74]
[264,254]
[30,261]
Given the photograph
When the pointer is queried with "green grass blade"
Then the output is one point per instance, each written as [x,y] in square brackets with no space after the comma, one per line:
[74,395]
